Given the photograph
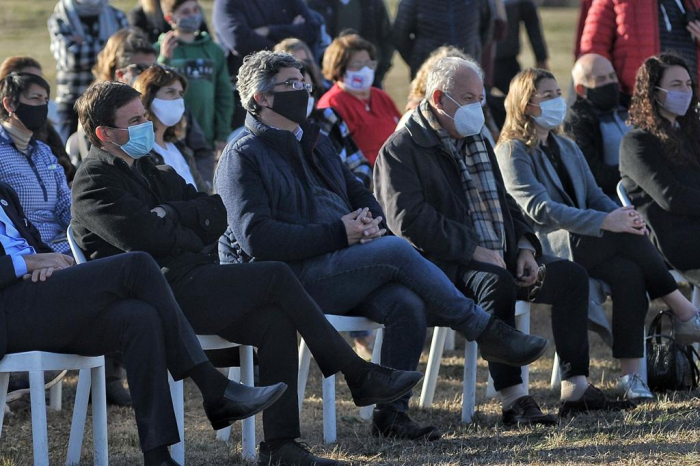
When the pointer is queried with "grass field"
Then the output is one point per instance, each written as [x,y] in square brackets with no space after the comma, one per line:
[664,432]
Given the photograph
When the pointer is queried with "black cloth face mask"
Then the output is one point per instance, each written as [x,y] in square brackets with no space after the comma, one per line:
[605,97]
[32,117]
[291,104]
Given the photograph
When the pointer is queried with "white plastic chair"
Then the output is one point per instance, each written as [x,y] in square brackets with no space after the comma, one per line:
[208,342]
[92,374]
[341,324]
[522,323]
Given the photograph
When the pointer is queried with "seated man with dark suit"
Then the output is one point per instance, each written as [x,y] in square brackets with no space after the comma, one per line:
[121,304]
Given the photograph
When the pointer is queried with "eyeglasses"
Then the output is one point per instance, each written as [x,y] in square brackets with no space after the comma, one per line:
[534,289]
[297,85]
[358,65]
[549,95]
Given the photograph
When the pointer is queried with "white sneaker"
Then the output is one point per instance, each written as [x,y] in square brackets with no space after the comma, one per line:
[688,332]
[633,388]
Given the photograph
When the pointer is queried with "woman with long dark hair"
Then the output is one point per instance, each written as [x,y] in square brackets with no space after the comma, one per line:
[550,179]
[660,159]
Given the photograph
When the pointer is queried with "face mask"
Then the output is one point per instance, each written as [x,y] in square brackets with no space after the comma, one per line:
[310,106]
[32,117]
[89,2]
[359,80]
[605,97]
[677,102]
[141,139]
[168,112]
[291,104]
[469,118]
[189,24]
[553,113]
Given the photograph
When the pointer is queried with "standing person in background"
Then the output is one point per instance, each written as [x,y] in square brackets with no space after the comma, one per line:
[597,121]
[244,27]
[507,50]
[371,115]
[626,32]
[79,30]
[202,62]
[147,16]
[368,18]
[47,134]
[421,26]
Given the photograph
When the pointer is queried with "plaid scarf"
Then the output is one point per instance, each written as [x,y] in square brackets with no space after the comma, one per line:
[478,181]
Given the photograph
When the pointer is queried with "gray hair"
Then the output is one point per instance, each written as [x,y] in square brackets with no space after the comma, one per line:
[442,75]
[257,75]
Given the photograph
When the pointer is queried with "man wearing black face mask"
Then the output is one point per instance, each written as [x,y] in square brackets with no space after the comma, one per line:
[597,119]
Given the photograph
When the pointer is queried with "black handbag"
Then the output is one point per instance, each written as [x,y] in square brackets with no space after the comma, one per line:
[670,366]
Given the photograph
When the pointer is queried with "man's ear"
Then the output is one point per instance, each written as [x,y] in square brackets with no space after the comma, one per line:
[436,98]
[119,75]
[101,133]
[580,90]
[261,99]
[8,105]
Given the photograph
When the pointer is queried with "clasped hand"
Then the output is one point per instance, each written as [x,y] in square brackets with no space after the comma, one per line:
[361,227]
[42,266]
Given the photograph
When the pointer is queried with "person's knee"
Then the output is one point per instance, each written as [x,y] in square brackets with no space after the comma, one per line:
[279,275]
[138,318]
[400,309]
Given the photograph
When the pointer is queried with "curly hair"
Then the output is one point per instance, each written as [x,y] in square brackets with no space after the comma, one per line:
[149,83]
[519,125]
[644,111]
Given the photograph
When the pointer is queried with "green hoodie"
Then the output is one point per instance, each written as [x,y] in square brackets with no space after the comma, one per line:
[209,95]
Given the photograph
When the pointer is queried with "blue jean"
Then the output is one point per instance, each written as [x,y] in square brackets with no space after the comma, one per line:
[354,280]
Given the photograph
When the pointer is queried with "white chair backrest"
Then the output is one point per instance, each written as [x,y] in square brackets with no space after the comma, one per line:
[622,194]
[78,253]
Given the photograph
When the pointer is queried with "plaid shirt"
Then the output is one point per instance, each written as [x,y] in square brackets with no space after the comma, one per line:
[333,126]
[42,188]
[74,61]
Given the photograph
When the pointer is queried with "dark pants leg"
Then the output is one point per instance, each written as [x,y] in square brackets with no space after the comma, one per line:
[263,304]
[119,304]
[505,70]
[632,267]
[403,314]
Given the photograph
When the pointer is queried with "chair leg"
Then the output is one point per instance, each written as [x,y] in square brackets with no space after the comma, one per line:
[99,416]
[39,430]
[248,424]
[55,396]
[431,371]
[643,364]
[329,421]
[77,426]
[304,363]
[450,340]
[555,381]
[522,323]
[177,451]
[366,411]
[469,388]
[4,382]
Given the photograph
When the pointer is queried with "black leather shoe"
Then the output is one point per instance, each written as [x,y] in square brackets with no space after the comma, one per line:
[379,384]
[117,395]
[170,462]
[241,401]
[593,400]
[525,410]
[293,453]
[502,343]
[396,424]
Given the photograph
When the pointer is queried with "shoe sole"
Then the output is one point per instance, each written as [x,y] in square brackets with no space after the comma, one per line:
[430,436]
[519,364]
[17,394]
[222,424]
[373,401]
[544,421]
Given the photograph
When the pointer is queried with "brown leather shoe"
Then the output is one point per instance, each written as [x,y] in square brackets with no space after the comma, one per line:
[525,410]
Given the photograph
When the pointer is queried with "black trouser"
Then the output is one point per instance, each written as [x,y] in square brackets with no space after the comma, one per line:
[504,70]
[565,287]
[264,305]
[120,304]
[632,267]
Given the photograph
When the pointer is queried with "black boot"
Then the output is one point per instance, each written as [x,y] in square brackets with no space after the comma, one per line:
[396,424]
[379,384]
[506,345]
[293,453]
[240,401]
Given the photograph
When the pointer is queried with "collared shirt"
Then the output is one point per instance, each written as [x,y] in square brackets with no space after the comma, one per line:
[298,133]
[15,246]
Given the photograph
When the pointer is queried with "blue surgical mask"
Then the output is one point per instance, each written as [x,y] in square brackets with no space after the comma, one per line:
[553,113]
[677,102]
[141,140]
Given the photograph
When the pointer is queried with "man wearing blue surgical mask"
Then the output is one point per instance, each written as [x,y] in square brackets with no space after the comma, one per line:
[441,189]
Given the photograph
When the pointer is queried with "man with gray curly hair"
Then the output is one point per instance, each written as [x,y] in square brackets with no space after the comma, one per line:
[442,190]
[290,198]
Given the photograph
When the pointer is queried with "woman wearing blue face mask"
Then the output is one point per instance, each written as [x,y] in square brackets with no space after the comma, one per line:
[549,178]
[660,160]
[162,92]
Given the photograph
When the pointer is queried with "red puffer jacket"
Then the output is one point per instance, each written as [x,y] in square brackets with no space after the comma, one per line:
[626,32]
